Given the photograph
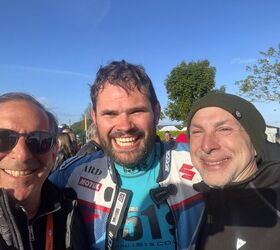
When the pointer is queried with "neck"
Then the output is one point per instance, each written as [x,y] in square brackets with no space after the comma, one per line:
[30,207]
[142,165]
[247,172]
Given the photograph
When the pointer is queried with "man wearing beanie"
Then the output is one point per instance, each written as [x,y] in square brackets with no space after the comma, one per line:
[241,192]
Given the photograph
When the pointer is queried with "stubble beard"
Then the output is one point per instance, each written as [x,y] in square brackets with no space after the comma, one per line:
[134,158]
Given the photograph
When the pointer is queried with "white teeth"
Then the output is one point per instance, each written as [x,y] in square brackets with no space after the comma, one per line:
[125,141]
[213,163]
[17,173]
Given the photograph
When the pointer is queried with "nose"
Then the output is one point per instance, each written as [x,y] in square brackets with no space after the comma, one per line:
[21,151]
[124,122]
[210,142]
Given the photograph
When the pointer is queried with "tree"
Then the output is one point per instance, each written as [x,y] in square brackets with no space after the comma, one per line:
[263,81]
[78,127]
[87,112]
[185,84]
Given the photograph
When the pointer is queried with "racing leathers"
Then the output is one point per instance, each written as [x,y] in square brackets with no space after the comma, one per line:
[104,203]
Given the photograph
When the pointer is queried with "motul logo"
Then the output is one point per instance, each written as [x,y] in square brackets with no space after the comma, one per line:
[188,174]
[89,184]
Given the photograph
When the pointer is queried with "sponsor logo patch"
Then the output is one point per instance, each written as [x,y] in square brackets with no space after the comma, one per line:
[188,174]
[93,185]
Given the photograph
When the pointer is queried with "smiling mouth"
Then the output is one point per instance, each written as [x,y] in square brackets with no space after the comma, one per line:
[215,163]
[17,173]
[125,141]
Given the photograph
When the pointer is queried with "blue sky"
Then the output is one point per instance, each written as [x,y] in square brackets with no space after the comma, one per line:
[52,49]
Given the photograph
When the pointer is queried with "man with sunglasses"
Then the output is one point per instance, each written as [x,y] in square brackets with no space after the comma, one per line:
[136,193]
[34,214]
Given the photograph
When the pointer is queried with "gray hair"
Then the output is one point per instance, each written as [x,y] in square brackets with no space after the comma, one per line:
[20,96]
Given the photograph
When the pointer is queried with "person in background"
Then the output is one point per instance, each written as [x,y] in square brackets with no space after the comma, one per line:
[73,137]
[92,144]
[169,139]
[241,192]
[167,136]
[134,193]
[75,141]
[34,214]
[66,149]
[66,129]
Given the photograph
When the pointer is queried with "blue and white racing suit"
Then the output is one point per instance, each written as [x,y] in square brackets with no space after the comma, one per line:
[95,181]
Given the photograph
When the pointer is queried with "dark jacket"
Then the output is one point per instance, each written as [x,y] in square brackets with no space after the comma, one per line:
[271,151]
[60,158]
[17,232]
[88,148]
[245,215]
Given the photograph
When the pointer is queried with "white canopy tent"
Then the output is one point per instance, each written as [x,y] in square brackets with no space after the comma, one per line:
[169,128]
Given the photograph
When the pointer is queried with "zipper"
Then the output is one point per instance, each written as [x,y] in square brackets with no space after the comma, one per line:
[31,233]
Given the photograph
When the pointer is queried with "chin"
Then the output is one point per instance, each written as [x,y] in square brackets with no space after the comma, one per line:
[215,183]
[19,195]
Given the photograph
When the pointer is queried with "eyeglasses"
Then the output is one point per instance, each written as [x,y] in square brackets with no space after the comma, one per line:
[38,142]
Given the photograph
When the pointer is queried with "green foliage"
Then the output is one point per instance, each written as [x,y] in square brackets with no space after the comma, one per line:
[87,112]
[263,81]
[162,115]
[79,127]
[185,84]
[221,89]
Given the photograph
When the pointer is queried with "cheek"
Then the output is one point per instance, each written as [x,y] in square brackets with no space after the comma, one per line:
[145,123]
[238,145]
[2,156]
[195,144]
[104,125]
[48,159]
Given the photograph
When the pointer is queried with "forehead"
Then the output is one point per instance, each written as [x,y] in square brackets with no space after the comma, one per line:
[112,94]
[21,114]
[212,115]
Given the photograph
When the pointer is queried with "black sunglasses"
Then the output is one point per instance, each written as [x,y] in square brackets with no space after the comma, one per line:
[38,142]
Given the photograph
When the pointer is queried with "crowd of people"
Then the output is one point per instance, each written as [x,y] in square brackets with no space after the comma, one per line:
[214,188]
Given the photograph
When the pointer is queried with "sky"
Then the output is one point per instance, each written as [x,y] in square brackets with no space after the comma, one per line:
[53,49]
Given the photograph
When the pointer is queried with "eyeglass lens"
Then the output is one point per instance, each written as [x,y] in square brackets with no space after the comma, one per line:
[38,142]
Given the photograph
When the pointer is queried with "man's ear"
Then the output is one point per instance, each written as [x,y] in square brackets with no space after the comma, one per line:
[93,117]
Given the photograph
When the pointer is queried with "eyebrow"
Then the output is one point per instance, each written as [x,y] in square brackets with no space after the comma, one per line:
[216,124]
[130,110]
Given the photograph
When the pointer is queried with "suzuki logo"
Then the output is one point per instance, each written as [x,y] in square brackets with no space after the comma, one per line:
[188,174]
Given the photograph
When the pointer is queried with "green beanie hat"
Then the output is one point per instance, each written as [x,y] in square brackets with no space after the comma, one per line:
[245,112]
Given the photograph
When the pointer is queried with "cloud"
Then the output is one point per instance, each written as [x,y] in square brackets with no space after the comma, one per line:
[42,100]
[46,103]
[242,60]
[81,12]
[47,70]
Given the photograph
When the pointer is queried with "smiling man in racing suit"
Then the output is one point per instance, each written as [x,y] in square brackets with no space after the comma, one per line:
[138,193]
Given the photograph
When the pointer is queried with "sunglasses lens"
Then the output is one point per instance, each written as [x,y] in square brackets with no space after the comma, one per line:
[39,142]
[8,139]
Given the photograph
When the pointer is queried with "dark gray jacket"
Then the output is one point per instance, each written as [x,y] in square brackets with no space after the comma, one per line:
[271,151]
[17,232]
[244,215]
